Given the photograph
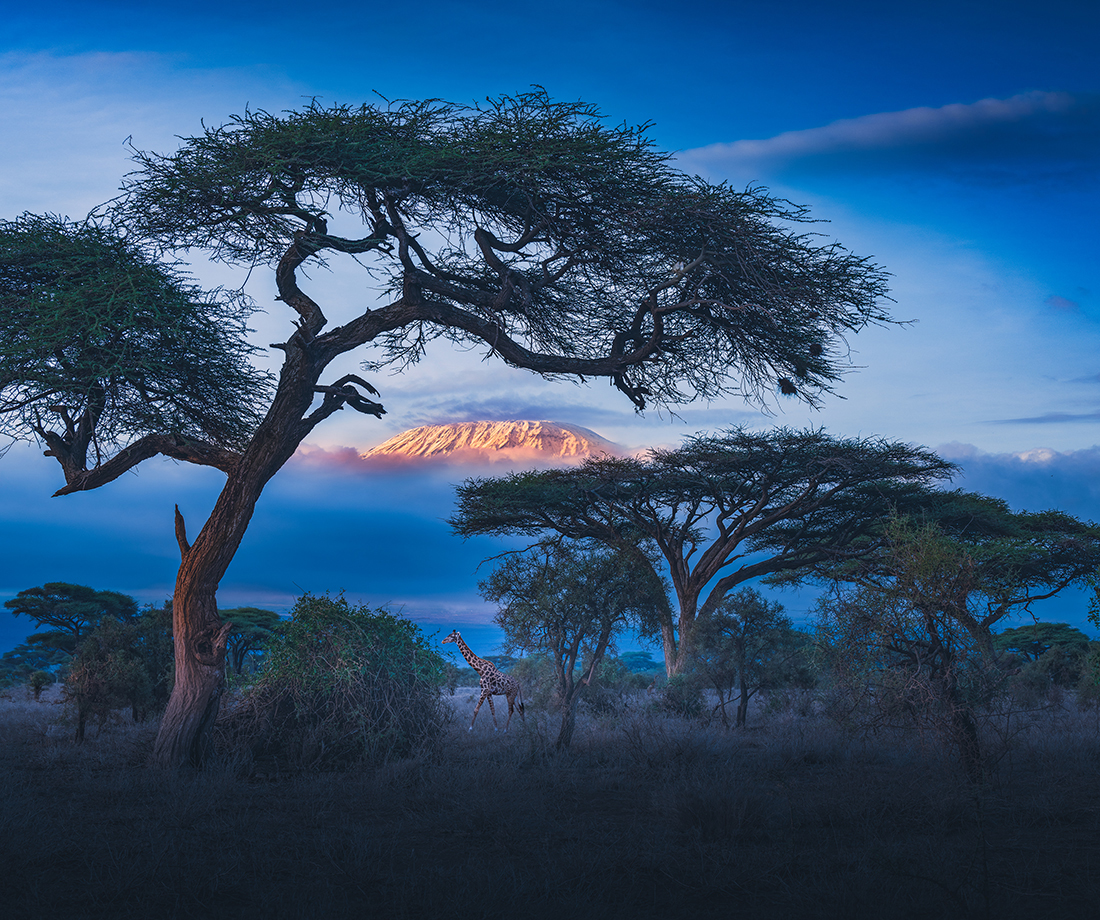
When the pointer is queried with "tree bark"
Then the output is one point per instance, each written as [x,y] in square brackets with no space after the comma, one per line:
[743,702]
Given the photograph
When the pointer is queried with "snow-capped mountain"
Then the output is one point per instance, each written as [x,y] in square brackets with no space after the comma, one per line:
[469,442]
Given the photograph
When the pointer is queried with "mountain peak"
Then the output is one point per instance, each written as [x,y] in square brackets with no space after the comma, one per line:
[474,442]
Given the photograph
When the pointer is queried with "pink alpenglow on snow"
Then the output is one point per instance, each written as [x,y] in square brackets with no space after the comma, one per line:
[494,442]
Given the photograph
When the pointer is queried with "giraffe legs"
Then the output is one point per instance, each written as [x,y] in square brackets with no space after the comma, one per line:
[477,709]
[512,706]
[492,711]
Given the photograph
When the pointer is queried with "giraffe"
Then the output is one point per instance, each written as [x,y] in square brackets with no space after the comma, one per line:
[493,683]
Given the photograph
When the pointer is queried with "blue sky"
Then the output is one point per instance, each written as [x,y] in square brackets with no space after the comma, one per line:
[958,144]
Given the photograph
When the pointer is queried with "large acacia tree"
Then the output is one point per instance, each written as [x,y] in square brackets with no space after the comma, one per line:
[721,510]
[523,226]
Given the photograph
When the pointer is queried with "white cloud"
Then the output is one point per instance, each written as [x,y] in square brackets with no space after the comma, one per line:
[882,130]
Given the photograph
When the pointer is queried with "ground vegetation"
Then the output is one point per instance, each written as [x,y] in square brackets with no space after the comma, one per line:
[645,814]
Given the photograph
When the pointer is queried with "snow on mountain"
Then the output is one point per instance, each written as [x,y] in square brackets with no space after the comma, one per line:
[492,442]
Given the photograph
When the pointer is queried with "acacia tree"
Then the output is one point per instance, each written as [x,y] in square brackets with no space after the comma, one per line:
[710,509]
[921,609]
[570,602]
[70,609]
[253,629]
[747,642]
[523,226]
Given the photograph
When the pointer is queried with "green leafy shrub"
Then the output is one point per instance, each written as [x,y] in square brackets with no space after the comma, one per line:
[683,697]
[343,684]
[537,677]
[39,681]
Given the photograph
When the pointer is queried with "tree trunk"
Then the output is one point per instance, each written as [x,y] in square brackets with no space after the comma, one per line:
[199,635]
[685,647]
[200,641]
[743,702]
[568,723]
[963,728]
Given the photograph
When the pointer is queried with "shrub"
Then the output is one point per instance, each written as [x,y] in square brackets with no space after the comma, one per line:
[683,697]
[39,681]
[343,684]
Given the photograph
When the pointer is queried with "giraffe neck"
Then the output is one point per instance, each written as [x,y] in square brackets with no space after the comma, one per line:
[478,664]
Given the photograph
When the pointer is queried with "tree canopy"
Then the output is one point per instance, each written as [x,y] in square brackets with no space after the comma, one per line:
[711,508]
[253,628]
[571,602]
[524,224]
[108,356]
[71,609]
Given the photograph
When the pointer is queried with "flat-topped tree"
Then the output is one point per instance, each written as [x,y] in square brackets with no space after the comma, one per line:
[524,226]
[713,507]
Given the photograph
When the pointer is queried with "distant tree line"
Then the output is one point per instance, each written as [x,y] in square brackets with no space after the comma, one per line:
[108,653]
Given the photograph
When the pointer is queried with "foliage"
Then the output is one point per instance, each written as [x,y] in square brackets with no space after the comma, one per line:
[697,278]
[253,629]
[343,684]
[747,643]
[39,681]
[683,696]
[113,345]
[640,662]
[721,509]
[17,665]
[1088,687]
[70,609]
[122,663]
[915,625]
[1046,655]
[569,602]
[1031,641]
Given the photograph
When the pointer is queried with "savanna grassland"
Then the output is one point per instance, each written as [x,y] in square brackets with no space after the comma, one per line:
[646,815]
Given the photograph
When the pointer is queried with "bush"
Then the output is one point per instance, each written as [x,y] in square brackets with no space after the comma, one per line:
[342,685]
[39,681]
[538,681]
[683,697]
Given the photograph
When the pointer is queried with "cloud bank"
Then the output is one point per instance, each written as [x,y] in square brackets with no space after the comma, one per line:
[1051,133]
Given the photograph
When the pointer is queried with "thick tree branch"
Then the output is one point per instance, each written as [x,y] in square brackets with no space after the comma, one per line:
[176,447]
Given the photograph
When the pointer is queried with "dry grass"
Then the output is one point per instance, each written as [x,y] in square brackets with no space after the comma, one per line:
[645,816]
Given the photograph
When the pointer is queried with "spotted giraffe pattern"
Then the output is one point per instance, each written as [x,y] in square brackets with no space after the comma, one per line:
[493,683]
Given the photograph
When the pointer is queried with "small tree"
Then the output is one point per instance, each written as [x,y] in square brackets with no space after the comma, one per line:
[39,681]
[122,663]
[747,643]
[570,602]
[917,617]
[253,629]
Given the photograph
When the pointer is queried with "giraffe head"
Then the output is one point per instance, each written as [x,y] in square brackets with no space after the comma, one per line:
[453,637]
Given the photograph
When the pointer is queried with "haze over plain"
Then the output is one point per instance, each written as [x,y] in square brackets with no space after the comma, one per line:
[956,144]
